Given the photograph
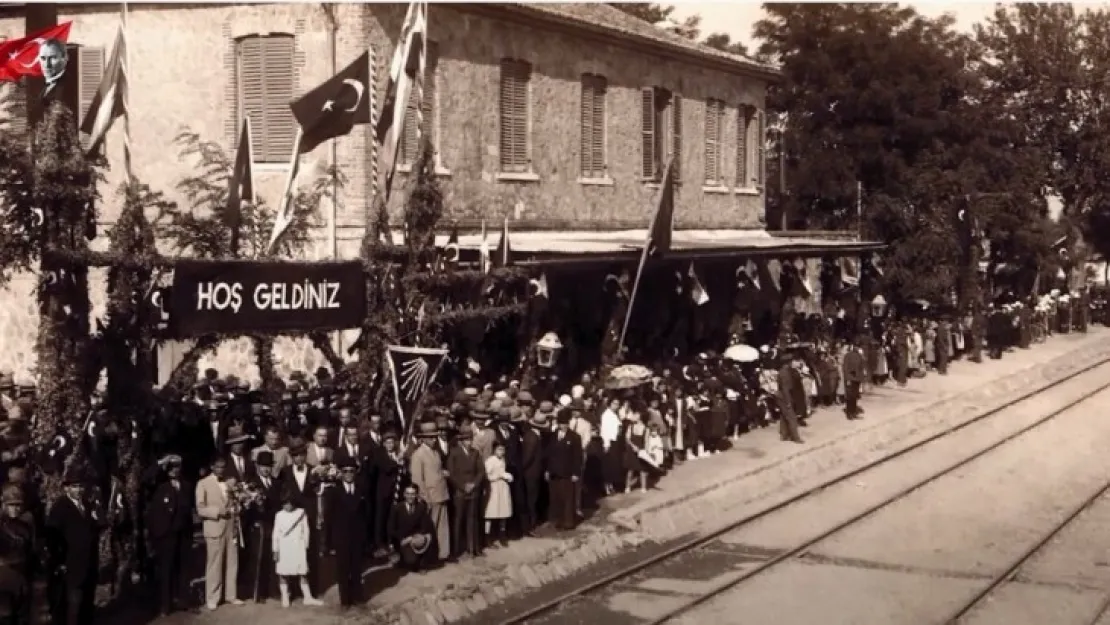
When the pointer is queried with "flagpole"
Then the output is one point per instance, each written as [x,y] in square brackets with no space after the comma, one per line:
[281,222]
[125,98]
[644,256]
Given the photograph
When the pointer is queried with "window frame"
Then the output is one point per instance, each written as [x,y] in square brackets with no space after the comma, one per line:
[714,163]
[665,133]
[432,113]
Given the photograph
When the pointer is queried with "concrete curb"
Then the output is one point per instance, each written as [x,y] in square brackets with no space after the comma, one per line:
[729,490]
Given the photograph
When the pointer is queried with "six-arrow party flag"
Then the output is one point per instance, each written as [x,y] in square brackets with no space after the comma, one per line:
[406,76]
[330,110]
[240,187]
[20,57]
[413,370]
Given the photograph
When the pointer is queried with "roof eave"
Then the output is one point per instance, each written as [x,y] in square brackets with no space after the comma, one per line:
[528,14]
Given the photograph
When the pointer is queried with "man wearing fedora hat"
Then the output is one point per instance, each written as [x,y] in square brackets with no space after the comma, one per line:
[430,478]
[73,524]
[564,463]
[533,442]
[239,464]
[349,515]
[390,474]
[411,530]
[467,474]
[261,520]
[169,525]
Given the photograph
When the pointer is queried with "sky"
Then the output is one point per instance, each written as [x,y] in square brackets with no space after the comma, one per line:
[737,18]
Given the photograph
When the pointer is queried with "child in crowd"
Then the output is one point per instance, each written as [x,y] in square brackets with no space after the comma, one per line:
[290,546]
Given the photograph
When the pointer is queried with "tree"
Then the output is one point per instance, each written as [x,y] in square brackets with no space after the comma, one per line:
[203,230]
[724,43]
[661,15]
[879,96]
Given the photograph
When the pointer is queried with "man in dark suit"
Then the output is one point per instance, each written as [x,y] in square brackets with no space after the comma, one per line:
[260,527]
[348,516]
[532,446]
[789,388]
[853,380]
[389,476]
[563,466]
[74,544]
[466,473]
[412,532]
[239,463]
[169,525]
[297,478]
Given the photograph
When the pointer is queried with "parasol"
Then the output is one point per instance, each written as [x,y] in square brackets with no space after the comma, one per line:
[628,376]
[741,353]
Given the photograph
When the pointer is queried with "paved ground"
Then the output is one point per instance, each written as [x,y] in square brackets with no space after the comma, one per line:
[918,559]
[756,450]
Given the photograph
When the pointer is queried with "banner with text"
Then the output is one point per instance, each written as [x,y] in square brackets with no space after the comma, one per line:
[245,297]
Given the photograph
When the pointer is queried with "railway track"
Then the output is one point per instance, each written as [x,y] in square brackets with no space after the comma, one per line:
[591,588]
[1006,576]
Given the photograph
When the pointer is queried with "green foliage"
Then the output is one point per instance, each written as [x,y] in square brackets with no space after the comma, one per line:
[204,229]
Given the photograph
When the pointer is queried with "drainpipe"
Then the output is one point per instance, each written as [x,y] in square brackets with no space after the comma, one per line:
[333,217]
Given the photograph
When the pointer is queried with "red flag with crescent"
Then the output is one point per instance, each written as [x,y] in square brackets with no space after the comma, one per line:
[21,57]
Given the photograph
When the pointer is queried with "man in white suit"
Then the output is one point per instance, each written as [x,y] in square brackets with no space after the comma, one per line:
[221,568]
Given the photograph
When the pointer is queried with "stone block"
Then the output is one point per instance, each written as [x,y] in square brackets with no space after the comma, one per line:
[528,574]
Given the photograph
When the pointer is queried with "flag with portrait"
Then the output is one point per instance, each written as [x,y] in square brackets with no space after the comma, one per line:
[413,369]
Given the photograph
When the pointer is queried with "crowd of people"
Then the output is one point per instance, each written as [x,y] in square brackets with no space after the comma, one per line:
[293,499]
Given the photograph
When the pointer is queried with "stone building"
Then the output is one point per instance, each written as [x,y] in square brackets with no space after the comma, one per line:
[556,116]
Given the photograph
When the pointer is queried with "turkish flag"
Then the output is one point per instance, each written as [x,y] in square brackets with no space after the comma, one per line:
[20,57]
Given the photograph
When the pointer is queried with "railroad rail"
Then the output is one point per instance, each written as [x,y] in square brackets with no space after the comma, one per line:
[592,587]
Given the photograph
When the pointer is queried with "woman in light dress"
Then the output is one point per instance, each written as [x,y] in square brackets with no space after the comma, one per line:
[290,546]
[499,506]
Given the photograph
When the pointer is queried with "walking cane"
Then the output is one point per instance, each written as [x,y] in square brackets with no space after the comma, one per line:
[258,560]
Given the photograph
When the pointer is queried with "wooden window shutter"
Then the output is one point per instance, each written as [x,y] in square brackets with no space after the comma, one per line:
[90,71]
[742,123]
[761,149]
[16,115]
[410,142]
[593,126]
[676,135]
[278,76]
[587,121]
[648,170]
[713,110]
[252,95]
[515,76]
[597,146]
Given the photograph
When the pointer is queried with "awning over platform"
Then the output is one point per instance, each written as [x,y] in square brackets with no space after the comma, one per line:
[617,244]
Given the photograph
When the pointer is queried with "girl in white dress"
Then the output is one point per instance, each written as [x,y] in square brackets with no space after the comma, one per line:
[499,507]
[290,545]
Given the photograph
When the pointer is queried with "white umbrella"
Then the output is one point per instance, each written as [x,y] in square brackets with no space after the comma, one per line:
[741,353]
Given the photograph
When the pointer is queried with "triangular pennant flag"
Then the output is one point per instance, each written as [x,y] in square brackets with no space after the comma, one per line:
[413,370]
[661,232]
[539,286]
[697,291]
[483,251]
[109,101]
[849,271]
[451,249]
[241,184]
[502,256]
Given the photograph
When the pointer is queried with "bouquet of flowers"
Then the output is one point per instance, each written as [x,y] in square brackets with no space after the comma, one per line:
[247,497]
[326,474]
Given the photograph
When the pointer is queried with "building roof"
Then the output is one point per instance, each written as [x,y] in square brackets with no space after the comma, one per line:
[608,20]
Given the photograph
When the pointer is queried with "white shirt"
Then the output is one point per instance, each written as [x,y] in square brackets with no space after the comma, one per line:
[353,451]
[300,475]
[350,489]
[610,427]
[239,463]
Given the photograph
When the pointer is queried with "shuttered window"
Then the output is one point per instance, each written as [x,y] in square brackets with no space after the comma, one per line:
[761,149]
[265,73]
[714,126]
[743,159]
[410,143]
[15,115]
[593,126]
[514,114]
[90,71]
[661,124]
